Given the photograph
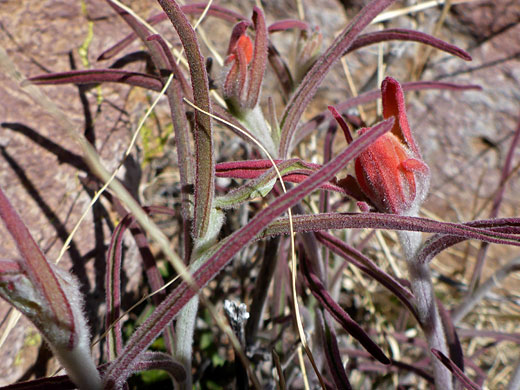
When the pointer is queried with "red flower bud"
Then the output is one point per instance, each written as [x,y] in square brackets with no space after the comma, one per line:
[240,53]
[247,63]
[242,49]
[391,172]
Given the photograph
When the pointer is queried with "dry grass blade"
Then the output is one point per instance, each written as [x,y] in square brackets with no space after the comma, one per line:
[385,16]
[98,194]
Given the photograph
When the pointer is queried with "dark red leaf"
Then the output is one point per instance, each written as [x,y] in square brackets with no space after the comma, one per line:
[341,316]
[466,382]
[401,34]
[287,24]
[305,92]
[96,76]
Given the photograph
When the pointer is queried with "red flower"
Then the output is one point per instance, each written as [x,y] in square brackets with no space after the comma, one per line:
[246,63]
[240,54]
[241,51]
[391,172]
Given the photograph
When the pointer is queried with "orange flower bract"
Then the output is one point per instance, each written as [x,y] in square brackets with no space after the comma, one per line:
[391,172]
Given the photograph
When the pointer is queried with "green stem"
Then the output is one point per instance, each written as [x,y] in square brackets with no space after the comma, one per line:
[184,330]
[79,367]
[185,326]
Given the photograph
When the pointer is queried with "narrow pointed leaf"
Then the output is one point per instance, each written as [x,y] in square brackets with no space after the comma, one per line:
[113,278]
[50,298]
[157,54]
[259,62]
[370,96]
[466,382]
[173,67]
[305,92]
[341,316]
[114,338]
[260,293]
[471,230]
[288,24]
[61,382]
[163,60]
[401,34]
[194,9]
[175,93]
[37,268]
[452,338]
[96,76]
[204,173]
[367,266]
[251,169]
[161,361]
[439,242]
[332,354]
[263,179]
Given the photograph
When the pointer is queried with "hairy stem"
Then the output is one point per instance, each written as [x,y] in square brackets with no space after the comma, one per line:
[79,366]
[185,327]
[184,330]
[430,322]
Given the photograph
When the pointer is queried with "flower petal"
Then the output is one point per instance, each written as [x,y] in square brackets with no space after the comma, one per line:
[393,105]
